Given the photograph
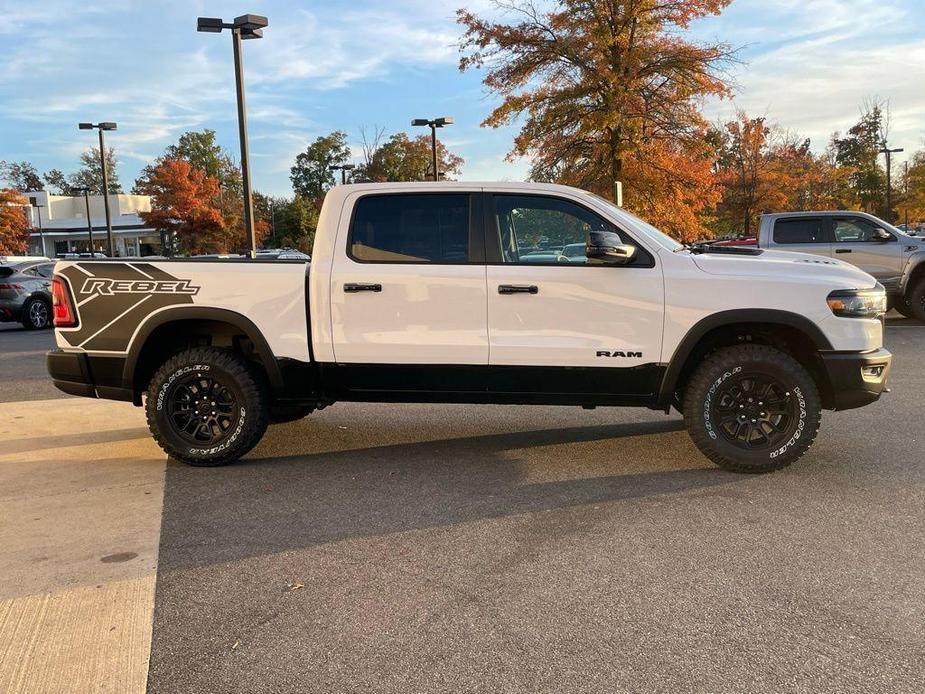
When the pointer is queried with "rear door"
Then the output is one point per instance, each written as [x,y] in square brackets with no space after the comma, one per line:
[810,234]
[560,325]
[856,242]
[408,281]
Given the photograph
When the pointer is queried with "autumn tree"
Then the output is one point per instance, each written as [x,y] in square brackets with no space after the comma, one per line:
[402,158]
[912,185]
[20,175]
[201,149]
[750,171]
[14,226]
[181,207]
[608,90]
[90,173]
[311,174]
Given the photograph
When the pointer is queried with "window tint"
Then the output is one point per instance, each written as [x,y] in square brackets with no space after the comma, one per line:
[411,229]
[799,231]
[30,271]
[543,230]
[854,230]
[47,270]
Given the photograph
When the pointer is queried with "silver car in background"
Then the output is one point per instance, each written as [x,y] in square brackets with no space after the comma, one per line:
[25,292]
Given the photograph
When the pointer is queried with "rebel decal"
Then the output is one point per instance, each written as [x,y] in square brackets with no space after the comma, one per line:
[108,287]
[112,300]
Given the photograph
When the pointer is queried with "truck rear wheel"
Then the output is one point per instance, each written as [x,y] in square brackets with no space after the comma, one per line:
[752,408]
[206,407]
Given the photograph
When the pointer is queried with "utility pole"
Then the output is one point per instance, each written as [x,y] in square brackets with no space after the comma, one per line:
[889,185]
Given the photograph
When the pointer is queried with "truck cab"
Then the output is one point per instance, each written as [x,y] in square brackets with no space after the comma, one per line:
[461,293]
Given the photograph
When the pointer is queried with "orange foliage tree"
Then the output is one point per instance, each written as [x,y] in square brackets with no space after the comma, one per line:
[609,90]
[186,203]
[182,205]
[14,227]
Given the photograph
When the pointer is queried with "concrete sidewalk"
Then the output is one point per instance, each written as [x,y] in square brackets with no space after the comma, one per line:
[81,490]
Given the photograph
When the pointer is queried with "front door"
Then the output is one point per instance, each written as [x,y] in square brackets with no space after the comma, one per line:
[407,283]
[558,324]
[856,242]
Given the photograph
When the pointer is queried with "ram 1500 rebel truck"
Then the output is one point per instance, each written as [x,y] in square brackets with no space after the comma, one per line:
[422,292]
[893,257]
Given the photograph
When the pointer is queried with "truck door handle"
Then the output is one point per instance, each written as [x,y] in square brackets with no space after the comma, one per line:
[842,250]
[353,287]
[518,289]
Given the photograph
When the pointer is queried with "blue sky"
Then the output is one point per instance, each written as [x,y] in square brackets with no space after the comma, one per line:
[808,64]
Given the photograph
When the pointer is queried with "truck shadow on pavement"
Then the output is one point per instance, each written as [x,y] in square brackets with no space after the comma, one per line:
[263,506]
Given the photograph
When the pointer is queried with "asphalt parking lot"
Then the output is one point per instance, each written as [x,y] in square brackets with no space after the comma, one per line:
[378,548]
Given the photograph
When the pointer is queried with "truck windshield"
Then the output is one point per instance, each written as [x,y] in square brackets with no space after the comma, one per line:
[661,237]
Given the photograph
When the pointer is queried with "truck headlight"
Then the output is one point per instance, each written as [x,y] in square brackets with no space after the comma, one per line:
[858,303]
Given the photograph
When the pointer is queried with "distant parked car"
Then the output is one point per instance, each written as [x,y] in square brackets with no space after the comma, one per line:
[575,252]
[740,241]
[282,254]
[25,292]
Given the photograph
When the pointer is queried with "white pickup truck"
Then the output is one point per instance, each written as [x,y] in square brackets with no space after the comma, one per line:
[460,293]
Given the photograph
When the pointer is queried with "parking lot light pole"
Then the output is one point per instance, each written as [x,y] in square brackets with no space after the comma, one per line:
[889,185]
[248,26]
[343,168]
[101,127]
[433,124]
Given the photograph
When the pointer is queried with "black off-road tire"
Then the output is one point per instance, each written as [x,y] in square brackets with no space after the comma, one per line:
[36,314]
[711,381]
[280,414]
[245,390]
[915,302]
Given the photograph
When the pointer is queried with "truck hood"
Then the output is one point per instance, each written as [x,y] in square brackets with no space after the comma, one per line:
[782,264]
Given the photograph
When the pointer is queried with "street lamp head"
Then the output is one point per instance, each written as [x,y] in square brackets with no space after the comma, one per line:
[252,22]
[211,25]
[445,120]
[108,125]
[85,126]
[251,34]
[420,121]
[349,167]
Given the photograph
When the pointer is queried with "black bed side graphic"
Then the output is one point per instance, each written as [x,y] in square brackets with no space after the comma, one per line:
[114,298]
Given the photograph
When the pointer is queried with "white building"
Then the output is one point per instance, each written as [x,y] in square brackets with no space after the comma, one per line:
[63,226]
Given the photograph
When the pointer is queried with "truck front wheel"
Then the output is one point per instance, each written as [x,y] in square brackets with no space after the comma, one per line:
[914,306]
[752,408]
[206,407]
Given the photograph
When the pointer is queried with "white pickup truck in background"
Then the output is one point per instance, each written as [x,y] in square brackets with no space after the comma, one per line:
[455,292]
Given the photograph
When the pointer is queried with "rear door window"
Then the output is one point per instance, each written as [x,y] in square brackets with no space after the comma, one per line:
[809,230]
[410,228]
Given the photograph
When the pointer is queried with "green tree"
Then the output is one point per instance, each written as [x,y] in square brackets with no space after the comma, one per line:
[90,174]
[201,150]
[402,158]
[292,221]
[858,151]
[311,174]
[20,175]
[57,181]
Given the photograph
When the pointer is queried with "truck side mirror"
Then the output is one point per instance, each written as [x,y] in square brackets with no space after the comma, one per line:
[607,248]
[882,235]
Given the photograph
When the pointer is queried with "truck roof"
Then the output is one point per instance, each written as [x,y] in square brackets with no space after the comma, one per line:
[815,213]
